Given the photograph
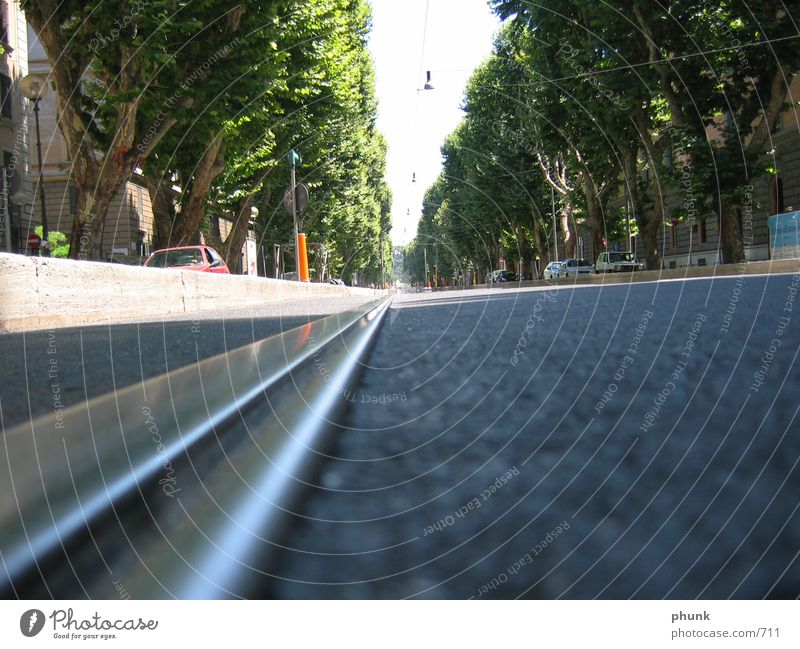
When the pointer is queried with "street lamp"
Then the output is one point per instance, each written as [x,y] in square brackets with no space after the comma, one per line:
[33,87]
[293,159]
[251,252]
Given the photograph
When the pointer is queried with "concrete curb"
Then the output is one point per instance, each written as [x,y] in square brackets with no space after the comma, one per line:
[722,270]
[37,292]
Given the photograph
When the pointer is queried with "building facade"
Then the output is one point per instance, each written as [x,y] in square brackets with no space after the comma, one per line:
[683,243]
[16,195]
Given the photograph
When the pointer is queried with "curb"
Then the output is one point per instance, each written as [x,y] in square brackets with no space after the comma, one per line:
[40,292]
[721,270]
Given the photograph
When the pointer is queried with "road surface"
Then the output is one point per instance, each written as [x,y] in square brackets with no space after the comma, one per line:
[627,441]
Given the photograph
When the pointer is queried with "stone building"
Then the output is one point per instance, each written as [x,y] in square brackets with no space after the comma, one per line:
[683,244]
[15,183]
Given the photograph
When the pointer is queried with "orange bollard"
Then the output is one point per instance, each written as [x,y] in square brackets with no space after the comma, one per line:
[303,250]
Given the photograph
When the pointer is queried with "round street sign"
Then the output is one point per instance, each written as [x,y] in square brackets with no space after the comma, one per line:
[302,197]
[34,240]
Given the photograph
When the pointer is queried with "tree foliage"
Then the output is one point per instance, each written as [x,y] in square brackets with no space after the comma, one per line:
[206,98]
[633,110]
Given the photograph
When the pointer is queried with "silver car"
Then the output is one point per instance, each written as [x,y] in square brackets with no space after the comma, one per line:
[574,267]
[551,270]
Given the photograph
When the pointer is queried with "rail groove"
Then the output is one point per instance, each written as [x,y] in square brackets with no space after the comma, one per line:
[179,486]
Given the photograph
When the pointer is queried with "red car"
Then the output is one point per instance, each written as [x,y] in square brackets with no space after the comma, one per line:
[202,258]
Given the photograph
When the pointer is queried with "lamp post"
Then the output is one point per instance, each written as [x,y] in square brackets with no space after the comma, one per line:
[293,159]
[252,252]
[33,87]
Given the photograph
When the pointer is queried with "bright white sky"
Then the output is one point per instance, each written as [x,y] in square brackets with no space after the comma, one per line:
[459,37]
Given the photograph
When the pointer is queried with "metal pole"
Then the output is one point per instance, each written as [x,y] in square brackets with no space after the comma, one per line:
[296,224]
[436,264]
[691,232]
[45,231]
[628,223]
[425,252]
[383,268]
[263,261]
[6,210]
[555,236]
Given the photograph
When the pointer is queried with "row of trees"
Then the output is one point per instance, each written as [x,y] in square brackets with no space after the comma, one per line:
[660,111]
[206,98]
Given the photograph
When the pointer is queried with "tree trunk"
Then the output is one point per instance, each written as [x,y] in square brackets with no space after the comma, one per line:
[95,192]
[648,224]
[208,168]
[164,215]
[731,244]
[649,229]
[568,230]
[231,249]
[524,257]
[542,250]
[594,211]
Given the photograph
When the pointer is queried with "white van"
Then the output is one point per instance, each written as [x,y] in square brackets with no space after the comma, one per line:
[617,262]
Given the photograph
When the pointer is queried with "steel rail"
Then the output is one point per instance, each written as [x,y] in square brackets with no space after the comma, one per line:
[181,485]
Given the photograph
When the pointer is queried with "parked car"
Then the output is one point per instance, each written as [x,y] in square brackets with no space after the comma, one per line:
[551,270]
[200,258]
[617,262]
[574,267]
[501,276]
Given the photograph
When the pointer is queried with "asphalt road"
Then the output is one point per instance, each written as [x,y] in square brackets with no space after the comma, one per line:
[590,442]
[69,365]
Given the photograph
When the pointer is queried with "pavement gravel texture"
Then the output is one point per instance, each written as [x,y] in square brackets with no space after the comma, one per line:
[632,441]
[45,368]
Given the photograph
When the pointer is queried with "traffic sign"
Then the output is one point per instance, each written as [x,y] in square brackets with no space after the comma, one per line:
[34,241]
[302,197]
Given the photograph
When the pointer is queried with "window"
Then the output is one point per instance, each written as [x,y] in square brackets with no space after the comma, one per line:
[10,164]
[701,232]
[73,199]
[4,22]
[5,96]
[777,125]
[776,195]
[673,264]
[701,261]
[729,121]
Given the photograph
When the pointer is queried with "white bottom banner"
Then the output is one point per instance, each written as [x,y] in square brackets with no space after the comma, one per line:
[401,624]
